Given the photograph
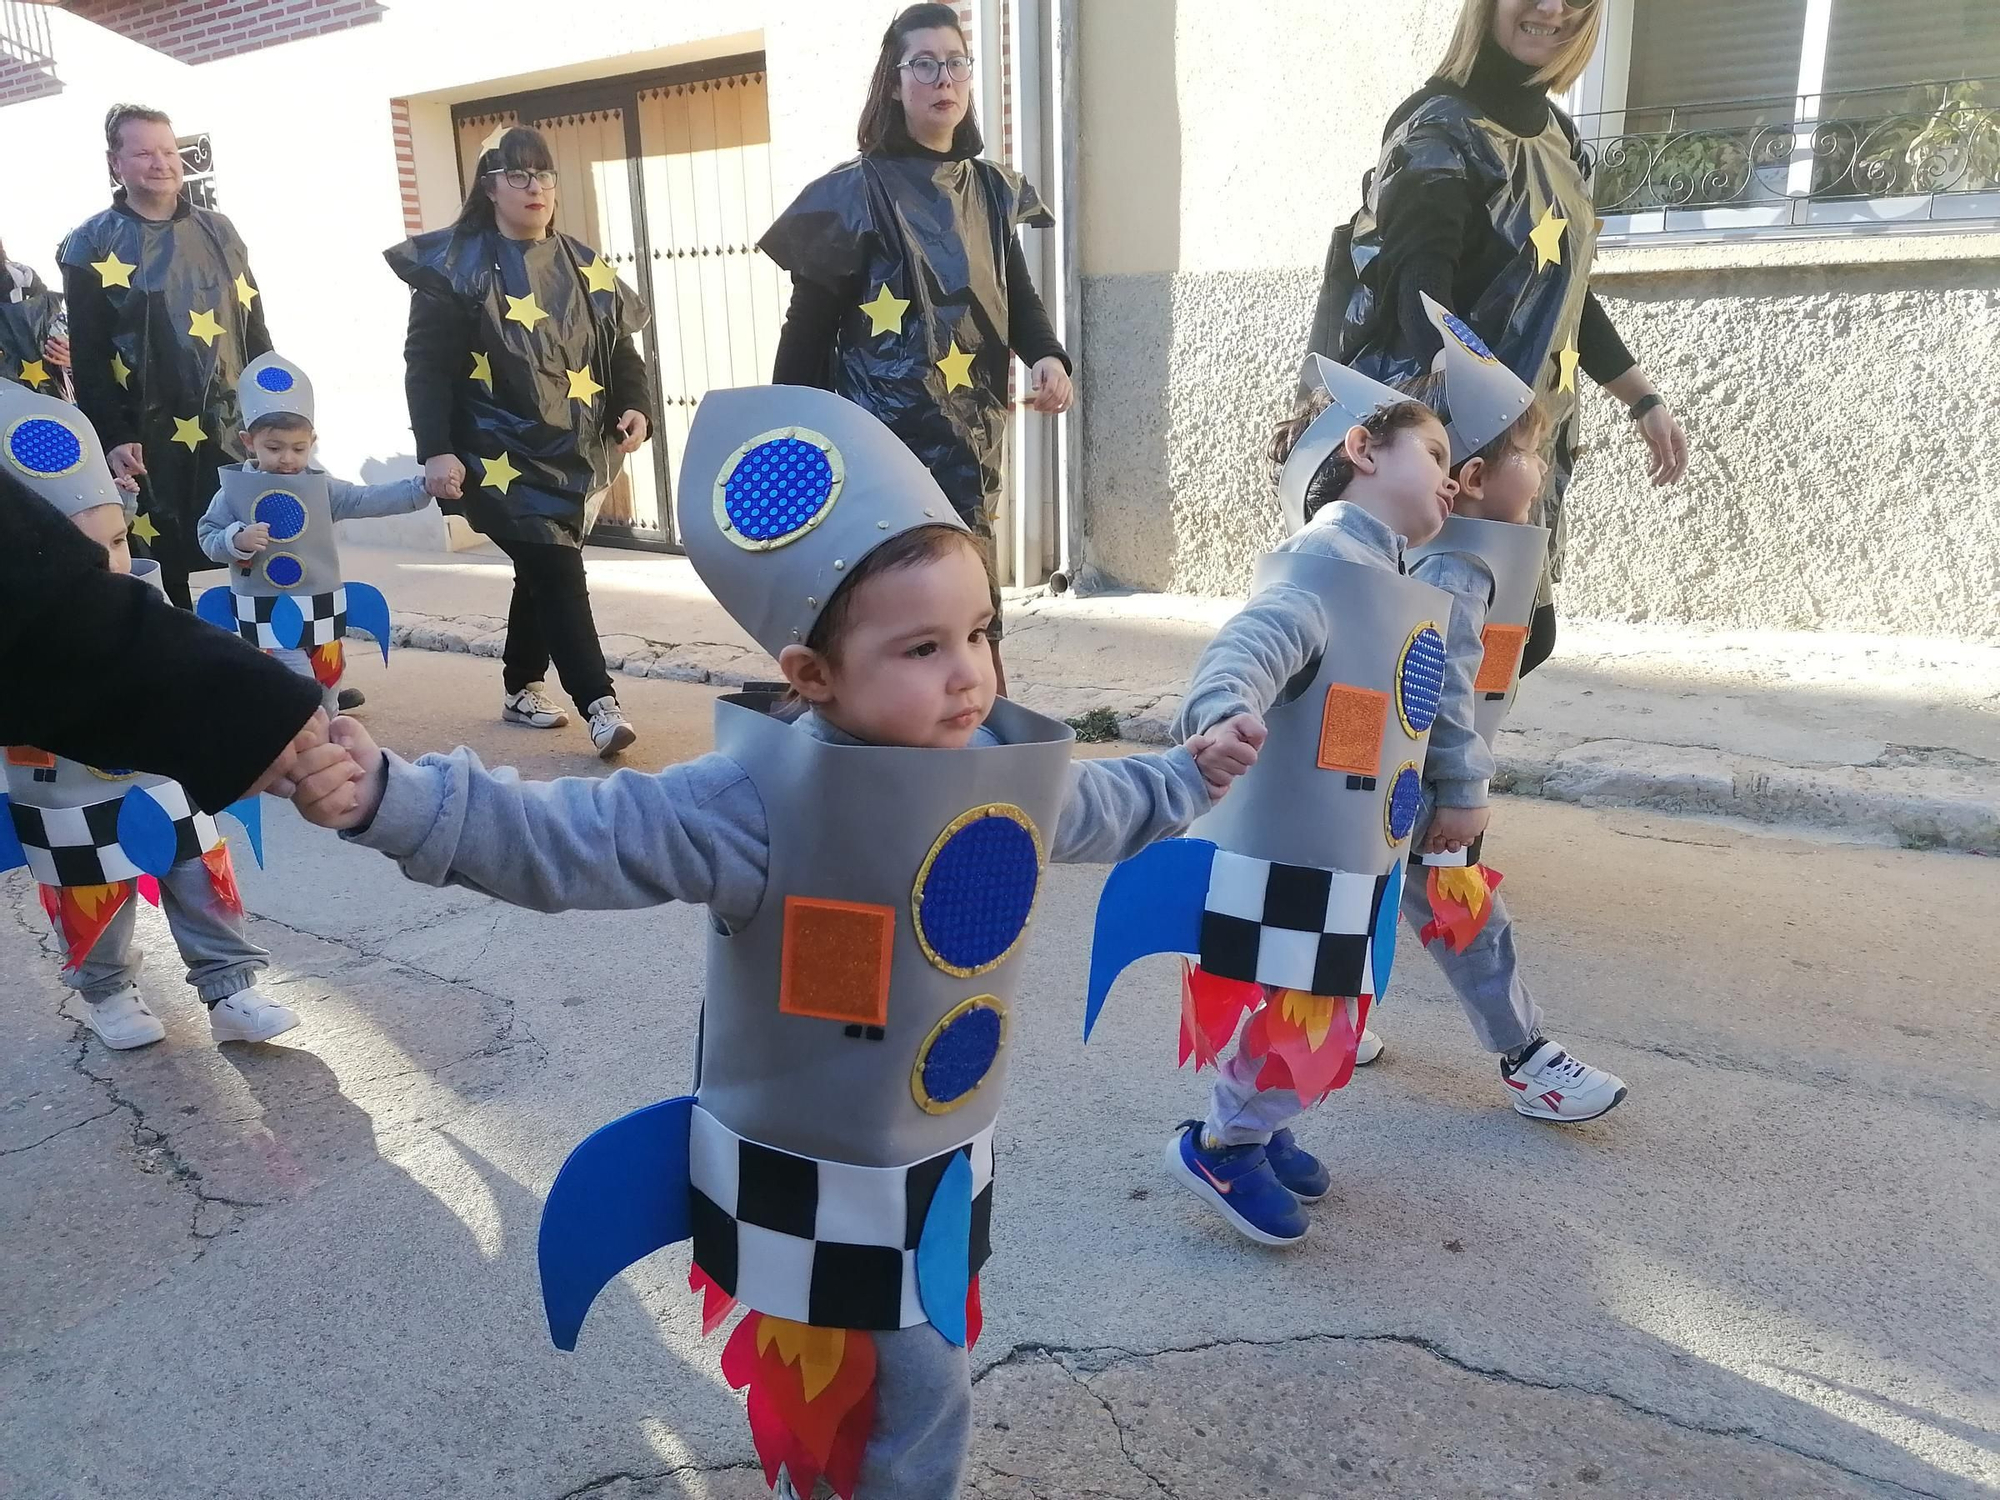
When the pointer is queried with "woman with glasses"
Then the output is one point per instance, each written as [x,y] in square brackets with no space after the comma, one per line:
[525,394]
[1481,199]
[910,293]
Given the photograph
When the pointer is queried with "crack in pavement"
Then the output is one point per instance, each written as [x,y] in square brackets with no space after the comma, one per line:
[643,1476]
[1113,1355]
[75,1125]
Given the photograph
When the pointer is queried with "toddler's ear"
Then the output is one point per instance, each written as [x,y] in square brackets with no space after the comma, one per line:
[807,672]
[1472,478]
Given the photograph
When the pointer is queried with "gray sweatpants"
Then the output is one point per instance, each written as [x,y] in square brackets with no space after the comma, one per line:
[220,957]
[923,1420]
[1486,977]
[300,663]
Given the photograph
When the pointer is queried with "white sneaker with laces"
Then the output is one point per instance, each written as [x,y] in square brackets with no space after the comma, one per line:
[1549,1084]
[122,1021]
[247,1016]
[1368,1048]
[531,706]
[610,730]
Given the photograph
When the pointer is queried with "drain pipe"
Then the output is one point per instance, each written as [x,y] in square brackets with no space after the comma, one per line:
[1065,59]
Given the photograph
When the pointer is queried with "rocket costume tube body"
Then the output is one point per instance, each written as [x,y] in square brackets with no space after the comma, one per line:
[290,599]
[833,1167]
[93,838]
[28,315]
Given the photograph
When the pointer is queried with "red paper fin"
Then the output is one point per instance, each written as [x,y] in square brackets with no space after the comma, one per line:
[80,913]
[975,1315]
[716,1304]
[811,1395]
[1211,1009]
[149,887]
[222,879]
[1313,1038]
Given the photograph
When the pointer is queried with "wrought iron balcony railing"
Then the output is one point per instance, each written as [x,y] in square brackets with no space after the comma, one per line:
[1927,151]
[27,66]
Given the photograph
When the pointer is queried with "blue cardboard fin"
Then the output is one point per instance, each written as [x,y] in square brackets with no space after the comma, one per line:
[622,1194]
[249,811]
[12,855]
[1151,903]
[288,626]
[944,1251]
[369,611]
[146,832]
[1382,945]
[218,607]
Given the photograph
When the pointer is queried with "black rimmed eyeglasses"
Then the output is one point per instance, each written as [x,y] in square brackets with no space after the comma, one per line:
[516,177]
[931,69]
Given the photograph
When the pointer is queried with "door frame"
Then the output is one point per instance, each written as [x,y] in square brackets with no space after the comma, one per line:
[620,92]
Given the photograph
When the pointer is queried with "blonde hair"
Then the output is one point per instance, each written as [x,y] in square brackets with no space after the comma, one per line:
[1475,25]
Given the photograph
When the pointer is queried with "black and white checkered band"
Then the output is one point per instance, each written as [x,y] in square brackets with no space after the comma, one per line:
[79,845]
[821,1242]
[1290,926]
[1469,855]
[325,617]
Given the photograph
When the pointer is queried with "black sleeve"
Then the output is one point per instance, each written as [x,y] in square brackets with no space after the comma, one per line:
[1601,352]
[437,351]
[1423,219]
[1030,334]
[102,669]
[630,388]
[106,403]
[805,343]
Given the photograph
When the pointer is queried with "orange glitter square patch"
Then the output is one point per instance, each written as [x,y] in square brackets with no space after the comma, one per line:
[28,755]
[1502,645]
[1350,730]
[835,965]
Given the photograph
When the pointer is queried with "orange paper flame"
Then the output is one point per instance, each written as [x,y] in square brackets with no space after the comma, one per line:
[222,879]
[1461,903]
[1211,1007]
[1307,1042]
[328,662]
[80,913]
[811,1394]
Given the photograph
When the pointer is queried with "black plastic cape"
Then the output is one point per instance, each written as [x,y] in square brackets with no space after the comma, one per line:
[1527,311]
[564,451]
[24,328]
[934,232]
[183,267]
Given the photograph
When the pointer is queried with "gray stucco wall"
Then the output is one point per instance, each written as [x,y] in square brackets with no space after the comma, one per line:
[1844,423]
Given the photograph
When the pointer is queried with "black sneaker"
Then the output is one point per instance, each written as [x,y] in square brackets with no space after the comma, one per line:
[350,699]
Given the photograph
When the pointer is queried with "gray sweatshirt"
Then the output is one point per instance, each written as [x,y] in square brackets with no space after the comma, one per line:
[1285,628]
[695,832]
[216,532]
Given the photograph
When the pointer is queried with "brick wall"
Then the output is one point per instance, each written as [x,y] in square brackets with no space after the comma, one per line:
[199,31]
[406,165]
[20,82]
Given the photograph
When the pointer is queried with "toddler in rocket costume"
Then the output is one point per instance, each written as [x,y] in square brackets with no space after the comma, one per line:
[94,838]
[871,866]
[271,525]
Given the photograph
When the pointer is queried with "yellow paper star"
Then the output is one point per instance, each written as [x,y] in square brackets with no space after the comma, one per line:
[202,325]
[1567,359]
[1548,239]
[112,271]
[525,311]
[885,313]
[957,368]
[33,373]
[581,386]
[145,530]
[482,369]
[120,371]
[599,276]
[188,430]
[245,293]
[498,473]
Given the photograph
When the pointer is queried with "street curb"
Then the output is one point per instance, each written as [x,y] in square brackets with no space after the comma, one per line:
[1912,796]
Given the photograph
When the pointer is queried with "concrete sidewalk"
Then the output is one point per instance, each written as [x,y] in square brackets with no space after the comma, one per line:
[1881,738]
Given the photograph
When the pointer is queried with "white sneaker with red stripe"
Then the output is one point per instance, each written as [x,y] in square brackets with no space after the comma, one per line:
[1549,1084]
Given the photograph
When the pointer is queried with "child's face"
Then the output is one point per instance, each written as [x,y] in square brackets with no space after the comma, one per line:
[1405,482]
[1504,490]
[915,665]
[105,525]
[280,450]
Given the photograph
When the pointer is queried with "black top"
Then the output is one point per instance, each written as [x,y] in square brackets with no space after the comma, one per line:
[102,669]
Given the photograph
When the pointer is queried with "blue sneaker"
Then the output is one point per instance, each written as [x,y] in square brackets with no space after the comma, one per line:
[1239,1181]
[1297,1168]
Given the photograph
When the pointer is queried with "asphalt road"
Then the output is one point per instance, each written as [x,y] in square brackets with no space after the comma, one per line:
[307,1269]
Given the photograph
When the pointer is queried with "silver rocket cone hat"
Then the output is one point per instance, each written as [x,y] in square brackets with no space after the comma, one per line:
[1485,398]
[272,384]
[1352,399]
[49,446]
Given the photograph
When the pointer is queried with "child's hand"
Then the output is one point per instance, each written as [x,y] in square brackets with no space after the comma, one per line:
[444,477]
[1227,751]
[252,539]
[339,784]
[1453,828]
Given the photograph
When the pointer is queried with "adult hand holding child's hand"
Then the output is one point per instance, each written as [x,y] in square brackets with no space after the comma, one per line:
[1227,751]
[444,477]
[339,784]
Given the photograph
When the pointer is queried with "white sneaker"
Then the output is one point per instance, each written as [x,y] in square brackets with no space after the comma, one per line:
[1368,1048]
[1549,1084]
[247,1016]
[610,730]
[122,1021]
[531,706]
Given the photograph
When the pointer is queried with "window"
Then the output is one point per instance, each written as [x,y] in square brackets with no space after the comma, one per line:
[198,167]
[1733,116]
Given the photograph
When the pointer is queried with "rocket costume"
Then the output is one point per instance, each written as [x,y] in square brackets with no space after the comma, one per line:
[29,312]
[93,838]
[163,317]
[833,1167]
[290,599]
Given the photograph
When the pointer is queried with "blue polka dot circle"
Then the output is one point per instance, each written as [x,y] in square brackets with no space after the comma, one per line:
[283,570]
[958,1055]
[778,489]
[1420,679]
[275,379]
[282,513]
[977,889]
[44,447]
[1405,798]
